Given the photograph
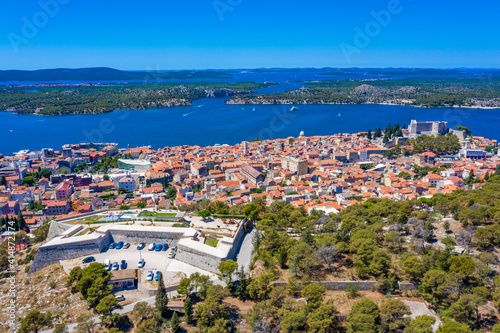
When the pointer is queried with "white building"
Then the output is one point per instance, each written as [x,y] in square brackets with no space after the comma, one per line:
[127,183]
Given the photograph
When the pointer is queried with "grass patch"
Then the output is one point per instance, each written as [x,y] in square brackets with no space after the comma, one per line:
[211,241]
[223,216]
[158,214]
[92,218]
[83,232]
[180,225]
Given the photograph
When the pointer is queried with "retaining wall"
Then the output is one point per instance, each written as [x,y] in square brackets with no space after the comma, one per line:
[342,285]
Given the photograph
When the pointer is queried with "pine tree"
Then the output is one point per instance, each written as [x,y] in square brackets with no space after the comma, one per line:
[294,265]
[188,309]
[282,258]
[21,223]
[175,323]
[241,288]
[161,300]
[369,135]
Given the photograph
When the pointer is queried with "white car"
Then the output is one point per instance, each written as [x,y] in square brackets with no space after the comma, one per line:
[120,297]
[149,276]
[171,255]
[151,246]
[141,263]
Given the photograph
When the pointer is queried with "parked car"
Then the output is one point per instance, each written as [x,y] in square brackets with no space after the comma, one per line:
[158,247]
[157,275]
[141,263]
[88,260]
[120,297]
[149,276]
[174,248]
[112,245]
[141,246]
[151,246]
[119,245]
[164,247]
[115,266]
[123,265]
[126,245]
[171,255]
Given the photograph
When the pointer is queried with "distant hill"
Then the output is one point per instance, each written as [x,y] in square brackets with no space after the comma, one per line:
[103,73]
[331,71]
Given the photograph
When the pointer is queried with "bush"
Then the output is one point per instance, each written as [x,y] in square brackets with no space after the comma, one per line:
[353,290]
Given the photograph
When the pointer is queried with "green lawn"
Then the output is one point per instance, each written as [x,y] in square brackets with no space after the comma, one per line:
[92,218]
[83,232]
[212,242]
[158,214]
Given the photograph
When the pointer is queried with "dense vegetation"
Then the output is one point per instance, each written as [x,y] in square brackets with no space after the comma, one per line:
[60,100]
[369,240]
[429,92]
[447,246]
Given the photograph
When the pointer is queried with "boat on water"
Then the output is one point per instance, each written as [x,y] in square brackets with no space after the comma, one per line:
[294,108]
[338,115]
[253,109]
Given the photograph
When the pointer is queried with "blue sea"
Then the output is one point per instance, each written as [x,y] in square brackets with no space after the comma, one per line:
[211,121]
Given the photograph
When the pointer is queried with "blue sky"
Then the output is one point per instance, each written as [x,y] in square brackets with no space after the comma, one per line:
[196,34]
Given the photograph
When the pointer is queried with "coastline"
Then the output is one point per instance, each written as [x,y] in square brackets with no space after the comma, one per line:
[368,103]
[226,103]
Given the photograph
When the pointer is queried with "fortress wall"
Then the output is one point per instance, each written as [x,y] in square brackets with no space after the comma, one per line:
[132,236]
[199,259]
[56,229]
[48,255]
[61,249]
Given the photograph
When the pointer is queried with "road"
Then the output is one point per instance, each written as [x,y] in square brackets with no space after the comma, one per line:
[419,308]
[126,309]
[244,256]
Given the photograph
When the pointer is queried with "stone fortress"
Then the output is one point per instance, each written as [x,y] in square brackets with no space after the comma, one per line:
[62,243]
[417,128]
[427,128]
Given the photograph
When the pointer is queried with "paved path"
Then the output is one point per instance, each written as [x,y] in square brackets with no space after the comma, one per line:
[244,256]
[420,308]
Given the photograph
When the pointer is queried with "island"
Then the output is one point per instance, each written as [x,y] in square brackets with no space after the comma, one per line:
[460,91]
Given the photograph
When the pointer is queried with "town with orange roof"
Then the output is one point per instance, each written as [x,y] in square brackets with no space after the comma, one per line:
[327,173]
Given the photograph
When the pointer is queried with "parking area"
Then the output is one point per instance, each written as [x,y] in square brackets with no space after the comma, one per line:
[173,270]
